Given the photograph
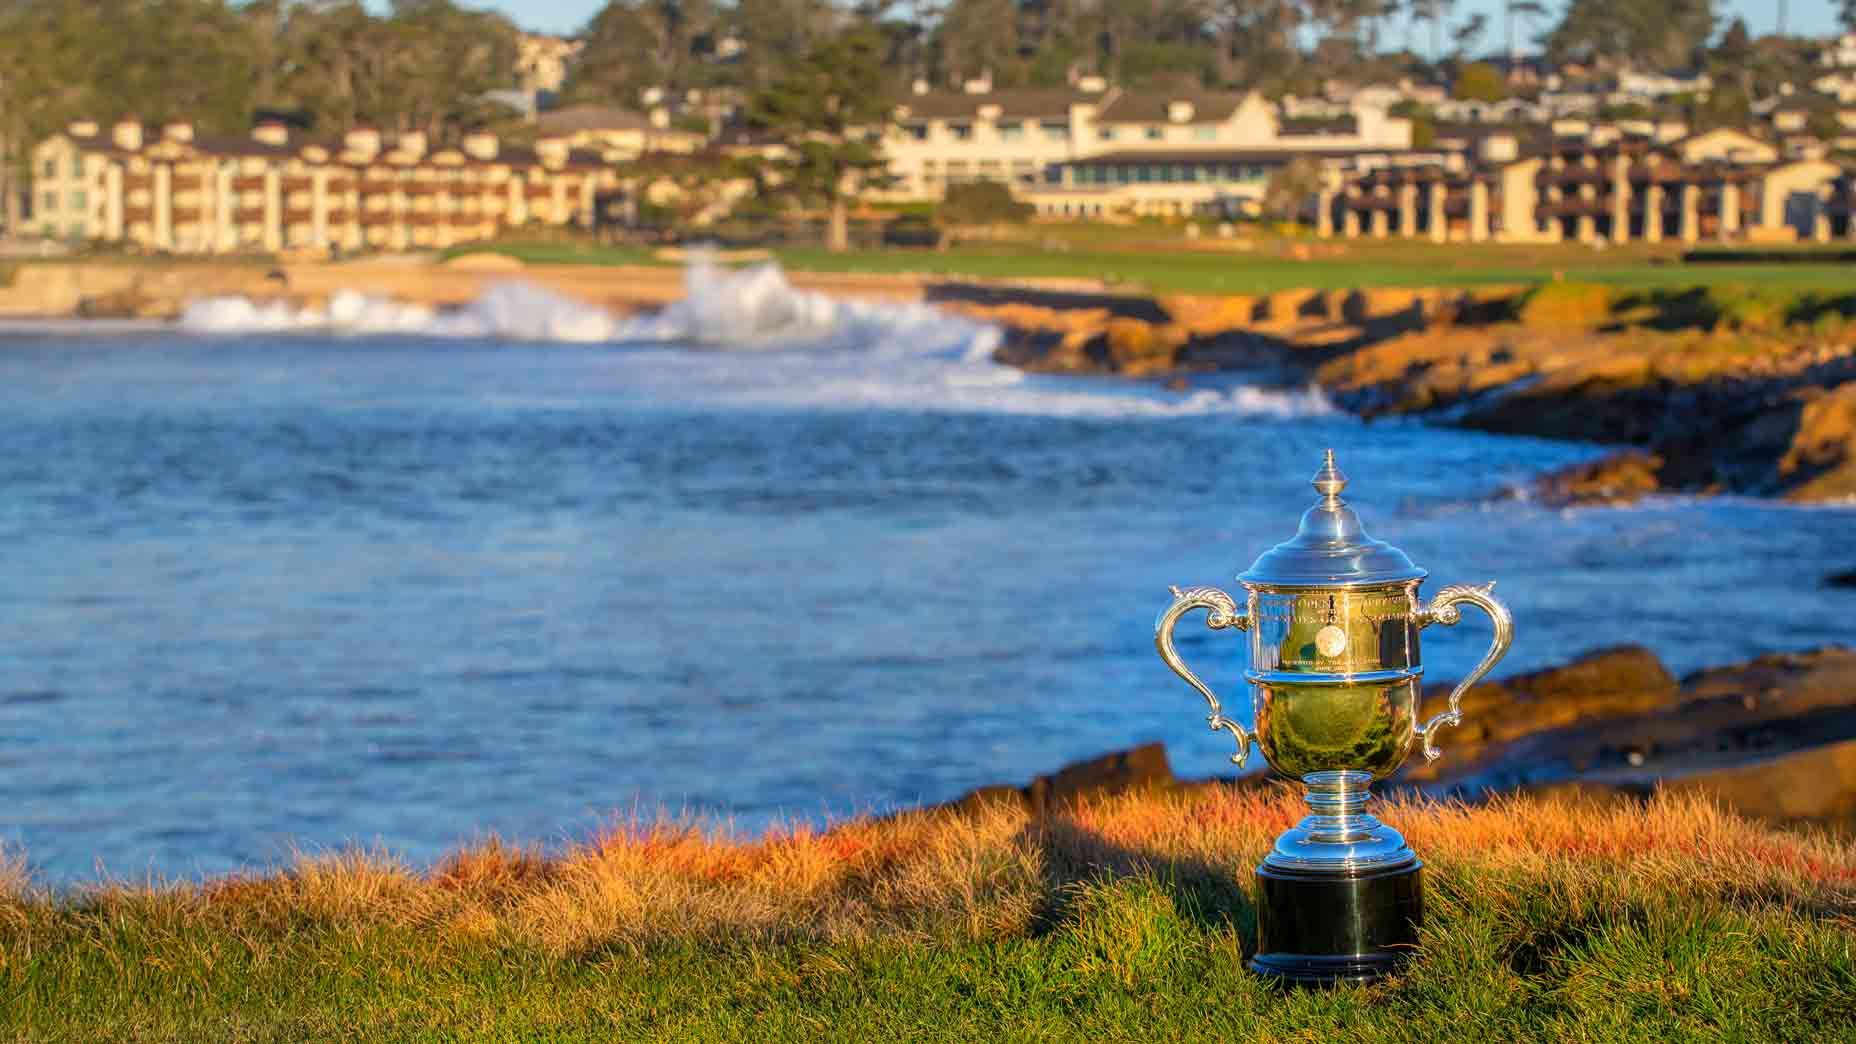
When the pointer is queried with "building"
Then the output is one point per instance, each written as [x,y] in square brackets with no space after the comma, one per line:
[1722,185]
[1092,151]
[170,189]
[621,132]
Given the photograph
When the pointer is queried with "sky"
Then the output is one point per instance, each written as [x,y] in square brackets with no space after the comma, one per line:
[1805,18]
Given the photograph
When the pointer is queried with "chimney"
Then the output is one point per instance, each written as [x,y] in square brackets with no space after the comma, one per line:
[83,128]
[411,143]
[178,130]
[553,152]
[271,132]
[481,145]
[364,141]
[127,135]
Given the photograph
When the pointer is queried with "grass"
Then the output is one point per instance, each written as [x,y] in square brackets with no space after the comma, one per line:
[1159,260]
[1125,919]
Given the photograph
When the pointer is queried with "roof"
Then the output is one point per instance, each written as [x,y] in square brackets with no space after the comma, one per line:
[592,118]
[1258,156]
[242,145]
[1144,107]
[1321,125]
[1014,103]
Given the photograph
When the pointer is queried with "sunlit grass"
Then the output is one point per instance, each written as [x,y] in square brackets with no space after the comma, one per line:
[1124,919]
[1159,260]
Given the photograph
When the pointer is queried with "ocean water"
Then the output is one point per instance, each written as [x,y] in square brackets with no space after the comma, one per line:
[276,581]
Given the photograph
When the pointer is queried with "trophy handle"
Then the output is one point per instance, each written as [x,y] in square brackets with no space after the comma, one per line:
[1443,610]
[1221,613]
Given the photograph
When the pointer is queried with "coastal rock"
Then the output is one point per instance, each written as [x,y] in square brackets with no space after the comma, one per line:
[1617,478]
[1732,731]
[1811,786]
[1141,767]
[1609,683]
[1820,463]
[1846,579]
[1136,347]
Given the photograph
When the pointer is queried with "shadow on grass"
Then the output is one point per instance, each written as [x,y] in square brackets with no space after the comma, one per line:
[1208,896]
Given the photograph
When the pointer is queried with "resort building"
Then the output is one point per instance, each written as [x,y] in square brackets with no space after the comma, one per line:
[622,133]
[1722,185]
[168,189]
[1095,150]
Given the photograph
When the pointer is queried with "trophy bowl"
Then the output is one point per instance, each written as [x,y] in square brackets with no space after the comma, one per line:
[1335,679]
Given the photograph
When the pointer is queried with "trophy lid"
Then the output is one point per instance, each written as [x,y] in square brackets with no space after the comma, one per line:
[1331,549]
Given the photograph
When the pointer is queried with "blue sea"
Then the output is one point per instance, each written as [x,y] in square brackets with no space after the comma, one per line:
[277,581]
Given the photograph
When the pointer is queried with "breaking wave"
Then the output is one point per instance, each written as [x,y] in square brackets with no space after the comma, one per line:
[768,342]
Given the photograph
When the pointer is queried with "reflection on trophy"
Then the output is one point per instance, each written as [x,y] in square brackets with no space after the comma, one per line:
[1334,681]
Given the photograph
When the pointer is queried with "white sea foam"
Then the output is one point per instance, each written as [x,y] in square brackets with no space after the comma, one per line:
[767,342]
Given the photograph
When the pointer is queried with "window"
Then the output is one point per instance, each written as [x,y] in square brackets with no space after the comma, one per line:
[1106,133]
[77,200]
[1011,132]
[1143,173]
[1054,131]
[915,131]
[1205,133]
[49,168]
[1156,133]
[77,166]
[49,202]
[960,131]
[78,231]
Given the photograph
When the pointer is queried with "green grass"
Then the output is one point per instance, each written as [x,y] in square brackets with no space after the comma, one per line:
[1125,920]
[1135,965]
[1158,261]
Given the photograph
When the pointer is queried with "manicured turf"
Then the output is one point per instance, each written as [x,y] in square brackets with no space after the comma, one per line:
[1142,260]
[1126,920]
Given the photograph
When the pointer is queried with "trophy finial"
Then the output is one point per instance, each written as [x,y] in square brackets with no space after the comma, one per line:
[1329,481]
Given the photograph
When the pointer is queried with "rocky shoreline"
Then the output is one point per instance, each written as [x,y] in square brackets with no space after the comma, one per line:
[1700,396]
[1773,739]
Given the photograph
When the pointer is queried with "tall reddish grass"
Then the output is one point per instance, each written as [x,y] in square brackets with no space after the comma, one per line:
[984,873]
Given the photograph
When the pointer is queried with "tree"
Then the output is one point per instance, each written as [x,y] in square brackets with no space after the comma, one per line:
[1664,35]
[1846,14]
[1470,33]
[1290,187]
[832,105]
[1479,81]
[1433,11]
[1521,10]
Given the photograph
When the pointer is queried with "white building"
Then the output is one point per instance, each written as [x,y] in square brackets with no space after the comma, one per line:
[1041,142]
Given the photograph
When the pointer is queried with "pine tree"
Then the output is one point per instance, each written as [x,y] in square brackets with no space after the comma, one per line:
[832,105]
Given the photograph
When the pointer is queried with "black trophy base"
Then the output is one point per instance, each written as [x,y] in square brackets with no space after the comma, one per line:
[1323,929]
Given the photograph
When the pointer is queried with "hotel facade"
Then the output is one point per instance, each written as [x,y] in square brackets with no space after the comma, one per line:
[1095,151]
[168,189]
[1722,185]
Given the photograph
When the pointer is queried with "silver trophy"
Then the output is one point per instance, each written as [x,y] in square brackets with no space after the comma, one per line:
[1335,679]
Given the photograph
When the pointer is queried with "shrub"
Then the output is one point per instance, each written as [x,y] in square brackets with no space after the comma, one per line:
[983,203]
[1742,307]
[912,230]
[1567,304]
[1480,81]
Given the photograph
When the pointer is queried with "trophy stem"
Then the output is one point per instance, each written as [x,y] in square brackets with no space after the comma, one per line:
[1339,803]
